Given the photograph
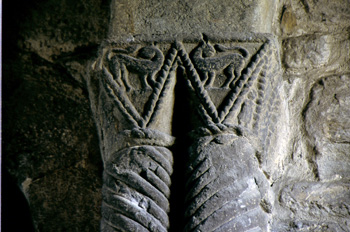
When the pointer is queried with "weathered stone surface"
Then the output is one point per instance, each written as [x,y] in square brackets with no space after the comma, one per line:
[301,170]
[128,72]
[131,89]
[50,141]
[316,206]
[310,201]
[147,18]
[314,163]
[316,53]
[53,29]
[299,17]
[328,126]
[68,199]
[49,129]
[320,191]
[226,188]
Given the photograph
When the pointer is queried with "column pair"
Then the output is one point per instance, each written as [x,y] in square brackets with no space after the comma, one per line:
[233,85]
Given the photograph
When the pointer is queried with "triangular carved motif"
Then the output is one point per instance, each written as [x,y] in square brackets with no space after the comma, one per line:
[202,67]
[137,81]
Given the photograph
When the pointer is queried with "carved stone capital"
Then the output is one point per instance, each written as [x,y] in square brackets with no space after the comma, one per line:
[234,85]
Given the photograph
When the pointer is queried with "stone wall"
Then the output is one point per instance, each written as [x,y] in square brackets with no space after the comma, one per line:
[51,145]
[314,185]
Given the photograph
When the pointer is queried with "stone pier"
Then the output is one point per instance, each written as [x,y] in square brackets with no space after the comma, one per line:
[177,115]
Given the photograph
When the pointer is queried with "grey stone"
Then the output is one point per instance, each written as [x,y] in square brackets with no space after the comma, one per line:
[225,186]
[132,70]
[227,190]
[324,196]
[131,90]
[54,29]
[146,18]
[310,16]
[317,53]
[329,105]
[50,141]
[317,201]
[265,148]
[51,147]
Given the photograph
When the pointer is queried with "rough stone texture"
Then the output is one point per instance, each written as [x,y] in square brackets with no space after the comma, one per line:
[316,53]
[312,192]
[330,105]
[235,82]
[50,145]
[50,142]
[326,198]
[131,91]
[51,133]
[140,17]
[131,88]
[226,187]
[310,16]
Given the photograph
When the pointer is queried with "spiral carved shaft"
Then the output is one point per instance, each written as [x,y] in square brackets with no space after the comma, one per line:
[136,190]
[224,186]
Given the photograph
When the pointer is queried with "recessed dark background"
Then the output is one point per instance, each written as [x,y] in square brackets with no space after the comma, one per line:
[15,214]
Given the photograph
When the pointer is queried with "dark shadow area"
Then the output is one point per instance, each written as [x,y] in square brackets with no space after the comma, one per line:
[25,76]
[181,127]
[15,214]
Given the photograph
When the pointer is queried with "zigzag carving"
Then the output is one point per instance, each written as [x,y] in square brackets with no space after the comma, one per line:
[225,185]
[150,68]
[136,178]
[239,86]
[253,97]
[201,71]
[210,109]
[242,86]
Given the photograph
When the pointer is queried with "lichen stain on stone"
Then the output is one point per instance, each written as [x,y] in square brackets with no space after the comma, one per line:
[288,21]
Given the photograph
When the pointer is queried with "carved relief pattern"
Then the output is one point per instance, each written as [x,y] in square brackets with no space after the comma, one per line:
[136,190]
[116,81]
[226,189]
[137,176]
[238,84]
